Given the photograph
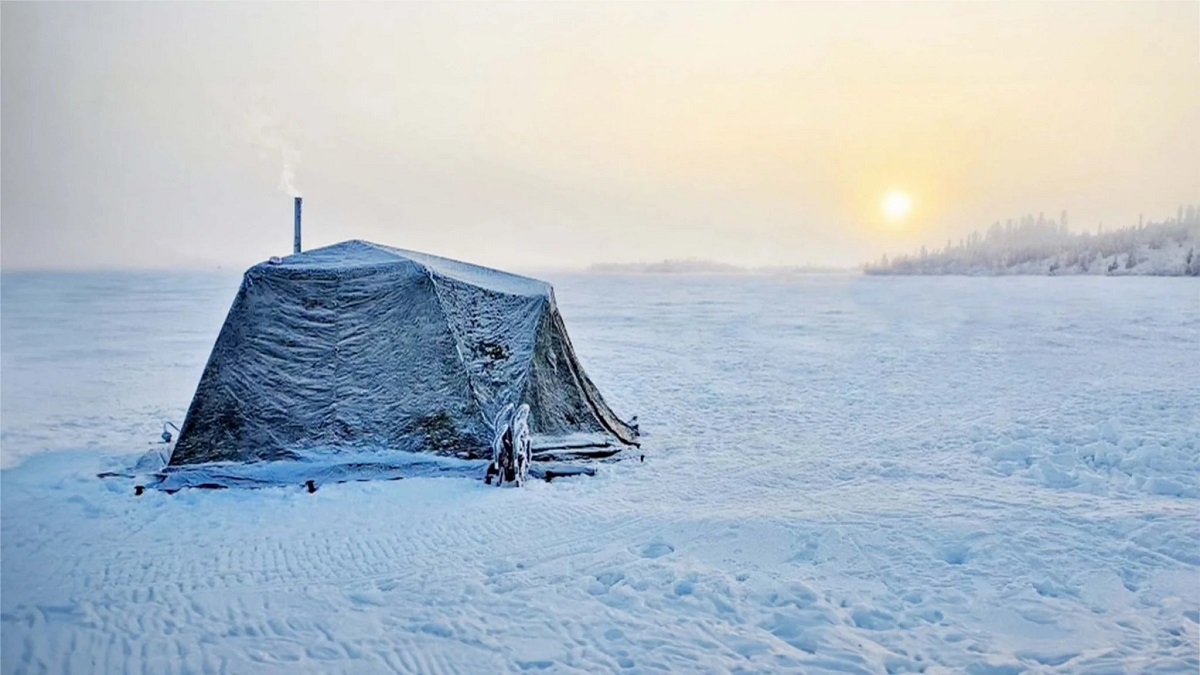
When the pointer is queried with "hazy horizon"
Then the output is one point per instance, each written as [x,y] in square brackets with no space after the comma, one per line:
[555,136]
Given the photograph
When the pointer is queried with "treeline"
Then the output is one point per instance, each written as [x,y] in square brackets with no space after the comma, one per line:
[1040,245]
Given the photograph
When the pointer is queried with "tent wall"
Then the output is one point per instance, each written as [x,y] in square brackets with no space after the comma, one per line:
[318,361]
[495,333]
[561,398]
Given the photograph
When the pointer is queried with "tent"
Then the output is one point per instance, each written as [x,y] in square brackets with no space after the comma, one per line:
[359,352]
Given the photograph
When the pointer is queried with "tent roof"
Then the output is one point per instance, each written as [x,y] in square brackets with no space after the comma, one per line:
[357,253]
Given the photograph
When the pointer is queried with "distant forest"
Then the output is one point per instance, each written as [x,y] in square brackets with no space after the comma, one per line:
[1040,245]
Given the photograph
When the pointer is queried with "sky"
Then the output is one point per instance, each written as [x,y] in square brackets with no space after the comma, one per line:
[537,135]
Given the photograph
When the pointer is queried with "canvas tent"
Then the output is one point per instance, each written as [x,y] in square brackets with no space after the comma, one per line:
[360,350]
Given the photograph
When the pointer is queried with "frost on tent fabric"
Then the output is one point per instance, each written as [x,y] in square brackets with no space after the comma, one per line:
[355,355]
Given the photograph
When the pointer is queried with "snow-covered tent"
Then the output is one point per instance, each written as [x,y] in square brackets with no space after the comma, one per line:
[360,350]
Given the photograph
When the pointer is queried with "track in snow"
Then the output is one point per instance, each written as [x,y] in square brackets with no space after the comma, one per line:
[843,474]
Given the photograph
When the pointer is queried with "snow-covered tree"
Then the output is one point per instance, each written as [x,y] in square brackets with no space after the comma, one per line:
[1037,245]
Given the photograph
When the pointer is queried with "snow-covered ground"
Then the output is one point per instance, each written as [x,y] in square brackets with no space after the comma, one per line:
[842,473]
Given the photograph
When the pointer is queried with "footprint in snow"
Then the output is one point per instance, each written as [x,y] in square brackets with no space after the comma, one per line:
[872,619]
[365,598]
[656,549]
[807,554]
[955,554]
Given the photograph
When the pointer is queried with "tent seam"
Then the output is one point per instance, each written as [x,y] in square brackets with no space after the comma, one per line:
[458,344]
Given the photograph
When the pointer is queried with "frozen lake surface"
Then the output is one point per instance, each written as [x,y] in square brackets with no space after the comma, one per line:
[842,474]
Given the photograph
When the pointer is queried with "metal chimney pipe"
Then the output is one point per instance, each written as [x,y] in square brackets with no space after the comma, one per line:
[296,236]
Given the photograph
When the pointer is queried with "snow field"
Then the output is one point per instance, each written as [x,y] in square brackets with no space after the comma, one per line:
[842,474]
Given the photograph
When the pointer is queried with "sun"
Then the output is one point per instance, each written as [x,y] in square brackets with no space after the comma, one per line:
[896,206]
